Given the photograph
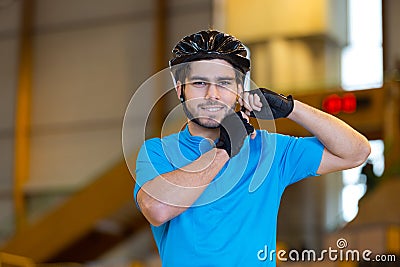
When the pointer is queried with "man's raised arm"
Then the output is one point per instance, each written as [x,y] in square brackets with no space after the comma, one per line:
[345,148]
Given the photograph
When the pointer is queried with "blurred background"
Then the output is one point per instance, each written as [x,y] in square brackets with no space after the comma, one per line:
[69,68]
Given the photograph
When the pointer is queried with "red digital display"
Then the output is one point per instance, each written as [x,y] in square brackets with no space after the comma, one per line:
[349,103]
[334,104]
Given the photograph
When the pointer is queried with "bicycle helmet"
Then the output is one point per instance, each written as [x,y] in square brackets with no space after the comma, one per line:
[211,44]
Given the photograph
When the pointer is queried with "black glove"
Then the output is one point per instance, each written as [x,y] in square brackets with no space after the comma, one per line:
[280,105]
[233,130]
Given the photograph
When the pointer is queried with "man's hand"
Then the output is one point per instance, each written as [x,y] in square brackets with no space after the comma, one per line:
[233,130]
[265,104]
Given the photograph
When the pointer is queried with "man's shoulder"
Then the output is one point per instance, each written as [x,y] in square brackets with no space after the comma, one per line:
[265,134]
[159,141]
[273,139]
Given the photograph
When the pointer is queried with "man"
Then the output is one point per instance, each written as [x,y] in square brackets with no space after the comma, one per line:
[196,187]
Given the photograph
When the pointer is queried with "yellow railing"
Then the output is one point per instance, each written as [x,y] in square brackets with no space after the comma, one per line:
[7,259]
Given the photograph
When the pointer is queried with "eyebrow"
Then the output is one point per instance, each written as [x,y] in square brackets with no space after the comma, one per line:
[221,78]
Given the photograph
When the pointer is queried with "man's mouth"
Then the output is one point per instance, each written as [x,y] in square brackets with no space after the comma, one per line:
[212,108]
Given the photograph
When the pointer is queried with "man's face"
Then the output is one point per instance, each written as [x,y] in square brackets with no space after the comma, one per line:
[210,91]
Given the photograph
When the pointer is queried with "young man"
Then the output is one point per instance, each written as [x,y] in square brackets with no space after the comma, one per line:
[196,187]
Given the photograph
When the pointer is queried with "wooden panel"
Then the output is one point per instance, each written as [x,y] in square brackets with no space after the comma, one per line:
[23,109]
[393,239]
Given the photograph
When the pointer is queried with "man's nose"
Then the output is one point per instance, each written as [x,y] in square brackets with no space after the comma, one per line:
[212,91]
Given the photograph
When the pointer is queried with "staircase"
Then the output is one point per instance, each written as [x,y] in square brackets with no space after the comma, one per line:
[73,225]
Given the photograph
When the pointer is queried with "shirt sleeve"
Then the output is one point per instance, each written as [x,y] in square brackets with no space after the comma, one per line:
[301,157]
[151,162]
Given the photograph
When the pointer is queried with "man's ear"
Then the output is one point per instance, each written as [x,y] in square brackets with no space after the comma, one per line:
[178,89]
[240,89]
[239,95]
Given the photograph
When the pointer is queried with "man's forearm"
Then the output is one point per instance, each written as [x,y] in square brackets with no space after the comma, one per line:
[170,194]
[346,146]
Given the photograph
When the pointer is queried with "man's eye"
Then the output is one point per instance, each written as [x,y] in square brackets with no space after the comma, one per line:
[225,83]
[199,84]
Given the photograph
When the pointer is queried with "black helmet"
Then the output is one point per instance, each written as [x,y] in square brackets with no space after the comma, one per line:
[211,44]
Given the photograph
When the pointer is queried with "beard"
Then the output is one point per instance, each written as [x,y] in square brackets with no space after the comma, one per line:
[208,121]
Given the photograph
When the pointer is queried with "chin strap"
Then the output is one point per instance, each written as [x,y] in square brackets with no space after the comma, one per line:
[182,96]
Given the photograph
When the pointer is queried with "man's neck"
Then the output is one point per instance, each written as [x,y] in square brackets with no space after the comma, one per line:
[197,130]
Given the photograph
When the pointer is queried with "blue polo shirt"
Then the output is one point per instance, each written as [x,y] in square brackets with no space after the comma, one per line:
[234,221]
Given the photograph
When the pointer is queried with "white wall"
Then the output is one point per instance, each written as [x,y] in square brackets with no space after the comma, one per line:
[9,22]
